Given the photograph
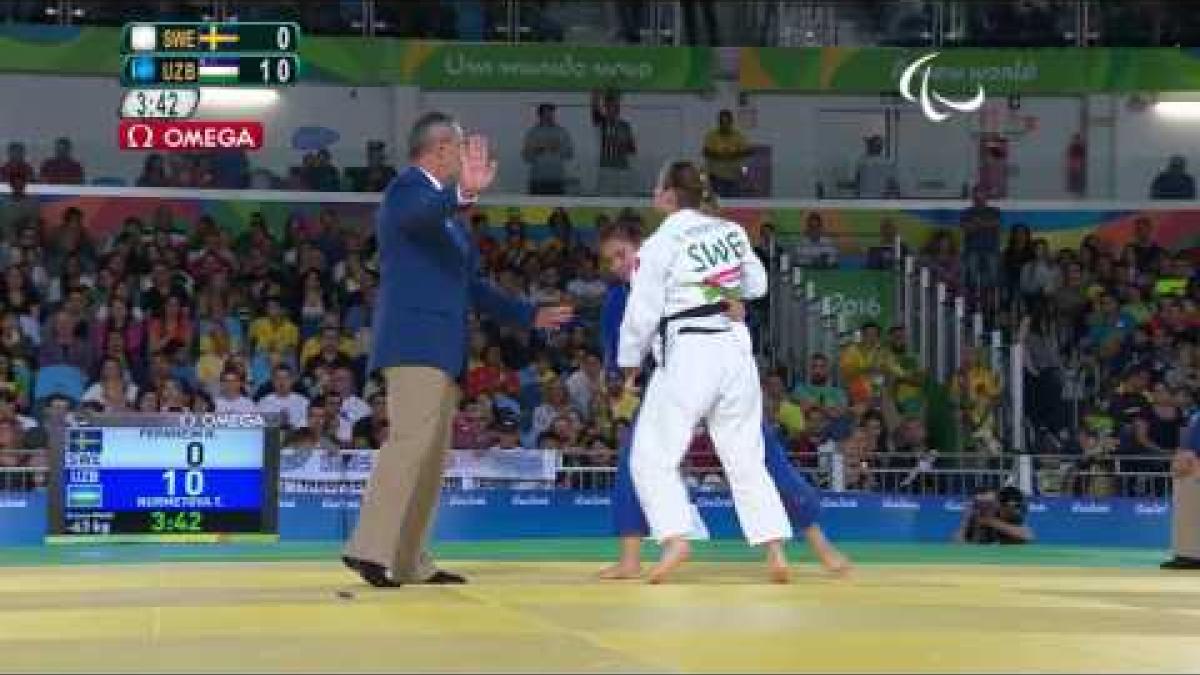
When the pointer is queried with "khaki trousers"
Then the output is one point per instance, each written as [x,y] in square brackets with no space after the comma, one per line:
[402,494]
[1185,517]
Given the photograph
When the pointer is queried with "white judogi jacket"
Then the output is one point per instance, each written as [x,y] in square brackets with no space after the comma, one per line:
[693,259]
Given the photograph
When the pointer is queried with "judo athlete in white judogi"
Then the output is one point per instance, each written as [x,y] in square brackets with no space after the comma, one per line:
[706,371]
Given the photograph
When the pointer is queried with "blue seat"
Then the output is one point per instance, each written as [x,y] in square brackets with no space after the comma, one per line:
[62,379]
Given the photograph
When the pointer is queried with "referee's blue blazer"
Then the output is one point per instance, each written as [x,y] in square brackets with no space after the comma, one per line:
[429,278]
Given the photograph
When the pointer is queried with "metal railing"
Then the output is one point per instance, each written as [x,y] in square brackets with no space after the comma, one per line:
[22,478]
[1102,475]
[940,474]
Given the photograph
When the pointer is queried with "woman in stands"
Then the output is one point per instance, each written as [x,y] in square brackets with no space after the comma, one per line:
[619,242]
[112,387]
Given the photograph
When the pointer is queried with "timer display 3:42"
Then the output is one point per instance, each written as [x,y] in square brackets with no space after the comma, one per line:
[176,521]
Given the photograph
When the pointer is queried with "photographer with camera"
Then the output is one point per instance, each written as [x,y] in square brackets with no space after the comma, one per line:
[995,517]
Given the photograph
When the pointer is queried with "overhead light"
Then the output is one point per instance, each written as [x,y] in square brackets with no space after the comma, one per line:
[216,97]
[1178,109]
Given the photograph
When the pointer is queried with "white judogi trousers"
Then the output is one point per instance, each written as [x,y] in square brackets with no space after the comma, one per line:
[710,377]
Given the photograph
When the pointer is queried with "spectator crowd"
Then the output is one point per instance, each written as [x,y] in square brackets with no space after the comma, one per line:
[167,315]
[1111,342]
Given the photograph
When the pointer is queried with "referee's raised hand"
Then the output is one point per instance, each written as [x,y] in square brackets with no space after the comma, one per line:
[478,168]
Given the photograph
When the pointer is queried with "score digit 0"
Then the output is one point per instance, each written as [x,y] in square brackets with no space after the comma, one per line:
[281,70]
[283,39]
[195,454]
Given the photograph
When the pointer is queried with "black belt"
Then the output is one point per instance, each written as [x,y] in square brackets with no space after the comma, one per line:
[698,312]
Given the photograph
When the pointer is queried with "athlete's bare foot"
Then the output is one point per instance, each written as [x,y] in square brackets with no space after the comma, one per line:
[676,551]
[777,565]
[621,570]
[629,561]
[836,564]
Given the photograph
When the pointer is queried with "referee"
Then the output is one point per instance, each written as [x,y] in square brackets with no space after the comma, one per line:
[1185,511]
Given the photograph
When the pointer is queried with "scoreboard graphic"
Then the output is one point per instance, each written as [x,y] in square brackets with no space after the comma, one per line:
[210,54]
[167,478]
[169,70]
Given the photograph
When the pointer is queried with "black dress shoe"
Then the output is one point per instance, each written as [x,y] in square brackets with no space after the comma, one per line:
[1181,563]
[444,577]
[372,573]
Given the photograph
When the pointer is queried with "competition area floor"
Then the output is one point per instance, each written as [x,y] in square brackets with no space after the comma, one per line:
[533,606]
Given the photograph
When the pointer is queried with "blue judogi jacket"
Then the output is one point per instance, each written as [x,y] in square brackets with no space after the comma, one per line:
[611,313]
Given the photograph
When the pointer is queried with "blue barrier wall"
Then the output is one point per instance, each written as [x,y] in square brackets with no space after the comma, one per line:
[503,514]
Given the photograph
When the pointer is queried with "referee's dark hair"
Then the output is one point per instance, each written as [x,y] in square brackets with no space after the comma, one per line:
[423,133]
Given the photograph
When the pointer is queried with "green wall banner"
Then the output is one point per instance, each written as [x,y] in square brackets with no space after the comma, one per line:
[94,50]
[874,70]
[546,66]
[856,294]
[387,61]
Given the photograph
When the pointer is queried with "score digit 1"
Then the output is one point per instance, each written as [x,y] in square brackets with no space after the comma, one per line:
[276,70]
[193,479]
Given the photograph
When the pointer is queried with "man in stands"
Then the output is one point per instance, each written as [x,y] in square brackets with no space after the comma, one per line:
[378,172]
[353,408]
[586,383]
[725,153]
[317,433]
[62,345]
[371,431]
[1147,254]
[818,391]
[863,365]
[16,167]
[904,377]
[547,150]
[1109,333]
[1174,182]
[884,255]
[275,331]
[283,398]
[875,177]
[815,248]
[19,209]
[62,168]
[981,247]
[232,396]
[614,177]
